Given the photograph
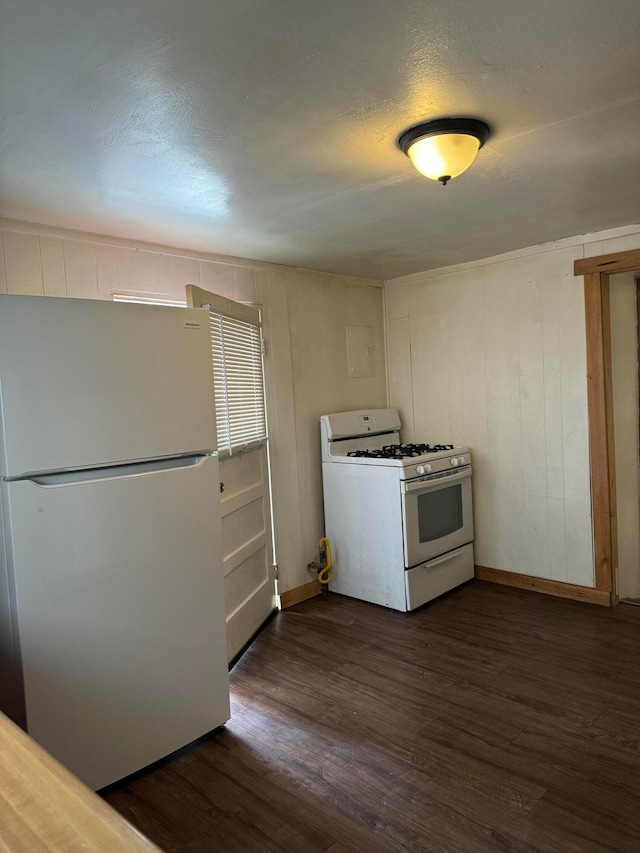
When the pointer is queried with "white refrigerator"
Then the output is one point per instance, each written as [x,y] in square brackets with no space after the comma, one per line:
[112,626]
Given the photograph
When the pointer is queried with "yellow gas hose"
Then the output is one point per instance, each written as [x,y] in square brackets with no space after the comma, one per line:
[326,574]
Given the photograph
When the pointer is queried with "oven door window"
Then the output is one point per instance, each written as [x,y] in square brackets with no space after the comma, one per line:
[439,513]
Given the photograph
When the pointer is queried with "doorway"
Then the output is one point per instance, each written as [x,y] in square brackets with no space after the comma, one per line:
[247,532]
[597,272]
[624,297]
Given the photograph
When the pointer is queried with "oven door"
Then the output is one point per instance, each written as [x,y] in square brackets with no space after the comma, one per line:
[437,514]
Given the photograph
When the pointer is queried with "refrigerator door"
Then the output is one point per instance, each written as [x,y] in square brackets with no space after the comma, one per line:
[85,383]
[120,613]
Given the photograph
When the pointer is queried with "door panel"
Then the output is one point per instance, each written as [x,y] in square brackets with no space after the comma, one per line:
[249,583]
[242,523]
[250,595]
[249,574]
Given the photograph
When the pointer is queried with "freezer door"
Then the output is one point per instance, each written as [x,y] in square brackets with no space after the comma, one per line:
[85,382]
[120,611]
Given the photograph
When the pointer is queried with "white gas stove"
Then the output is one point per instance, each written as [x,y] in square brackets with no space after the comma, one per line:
[398,516]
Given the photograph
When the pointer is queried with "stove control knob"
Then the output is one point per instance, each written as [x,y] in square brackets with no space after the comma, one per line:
[423,469]
[455,460]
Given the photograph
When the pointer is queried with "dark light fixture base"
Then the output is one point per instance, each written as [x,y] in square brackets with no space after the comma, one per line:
[469,126]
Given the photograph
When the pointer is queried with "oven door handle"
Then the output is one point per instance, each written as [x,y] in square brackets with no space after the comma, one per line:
[429,482]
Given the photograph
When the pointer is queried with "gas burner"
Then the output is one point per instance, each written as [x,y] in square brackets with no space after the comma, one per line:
[419,449]
[400,451]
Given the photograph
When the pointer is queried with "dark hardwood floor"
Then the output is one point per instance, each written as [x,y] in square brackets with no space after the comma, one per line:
[491,719]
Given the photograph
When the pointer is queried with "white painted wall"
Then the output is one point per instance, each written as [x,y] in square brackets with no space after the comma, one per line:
[493,355]
[624,363]
[305,315]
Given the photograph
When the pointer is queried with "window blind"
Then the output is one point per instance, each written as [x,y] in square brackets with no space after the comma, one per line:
[148,299]
[236,348]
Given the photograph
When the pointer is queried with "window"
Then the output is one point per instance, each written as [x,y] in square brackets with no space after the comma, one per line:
[236,346]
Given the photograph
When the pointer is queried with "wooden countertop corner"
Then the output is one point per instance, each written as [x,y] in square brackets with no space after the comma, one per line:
[44,807]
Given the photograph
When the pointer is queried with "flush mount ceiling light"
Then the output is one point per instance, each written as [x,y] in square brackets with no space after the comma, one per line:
[444,148]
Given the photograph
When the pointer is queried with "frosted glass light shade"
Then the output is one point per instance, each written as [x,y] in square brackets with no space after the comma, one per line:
[444,147]
[444,156]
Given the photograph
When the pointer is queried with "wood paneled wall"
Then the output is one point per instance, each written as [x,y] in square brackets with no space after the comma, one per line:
[305,315]
[493,355]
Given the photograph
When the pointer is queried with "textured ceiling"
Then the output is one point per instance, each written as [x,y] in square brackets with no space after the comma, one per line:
[267,129]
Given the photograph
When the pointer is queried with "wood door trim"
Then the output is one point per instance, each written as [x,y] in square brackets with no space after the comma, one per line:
[615,262]
[596,273]
[549,587]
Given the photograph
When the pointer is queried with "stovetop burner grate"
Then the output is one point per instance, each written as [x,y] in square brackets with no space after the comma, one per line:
[400,451]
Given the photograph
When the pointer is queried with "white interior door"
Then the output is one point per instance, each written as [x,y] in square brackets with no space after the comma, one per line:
[249,578]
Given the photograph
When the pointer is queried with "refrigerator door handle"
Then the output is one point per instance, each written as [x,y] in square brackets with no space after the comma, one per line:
[113,472]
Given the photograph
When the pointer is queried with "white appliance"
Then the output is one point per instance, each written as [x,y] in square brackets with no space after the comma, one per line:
[112,627]
[399,517]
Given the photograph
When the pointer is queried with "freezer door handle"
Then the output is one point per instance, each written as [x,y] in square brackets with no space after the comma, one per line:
[113,472]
